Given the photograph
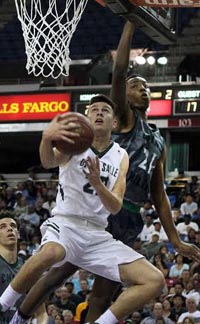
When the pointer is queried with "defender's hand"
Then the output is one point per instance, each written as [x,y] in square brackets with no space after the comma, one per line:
[189,250]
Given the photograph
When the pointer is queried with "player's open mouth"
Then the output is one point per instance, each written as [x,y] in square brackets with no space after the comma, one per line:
[99,121]
[144,95]
[11,236]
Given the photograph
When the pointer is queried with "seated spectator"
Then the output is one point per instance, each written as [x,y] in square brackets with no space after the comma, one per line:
[177,217]
[23,250]
[178,307]
[68,317]
[196,281]
[167,256]
[147,310]
[55,296]
[193,185]
[158,262]
[190,291]
[59,319]
[189,207]
[185,277]
[21,186]
[73,297]
[52,311]
[185,226]
[137,246]
[136,318]
[40,210]
[157,314]
[147,209]
[82,275]
[158,228]
[64,301]
[31,221]
[177,269]
[34,245]
[167,309]
[32,191]
[191,236]
[189,320]
[178,287]
[84,290]
[148,229]
[21,205]
[10,198]
[192,311]
[154,245]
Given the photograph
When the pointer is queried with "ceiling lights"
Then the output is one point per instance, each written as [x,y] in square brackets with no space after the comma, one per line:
[151,59]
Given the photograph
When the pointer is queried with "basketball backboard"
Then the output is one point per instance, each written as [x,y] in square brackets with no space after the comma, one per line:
[158,23]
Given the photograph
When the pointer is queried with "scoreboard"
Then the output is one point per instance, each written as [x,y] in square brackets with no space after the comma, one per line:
[178,104]
[186,102]
[166,101]
[171,106]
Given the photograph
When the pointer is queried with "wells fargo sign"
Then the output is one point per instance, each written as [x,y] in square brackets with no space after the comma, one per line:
[33,106]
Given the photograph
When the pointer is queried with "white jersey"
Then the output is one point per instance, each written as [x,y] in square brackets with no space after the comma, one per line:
[75,194]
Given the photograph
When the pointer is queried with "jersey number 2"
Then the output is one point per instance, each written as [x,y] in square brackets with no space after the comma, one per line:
[89,189]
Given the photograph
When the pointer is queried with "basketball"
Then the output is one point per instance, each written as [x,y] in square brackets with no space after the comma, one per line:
[83,142]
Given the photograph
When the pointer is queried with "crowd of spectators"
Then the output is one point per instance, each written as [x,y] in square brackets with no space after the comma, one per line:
[32,201]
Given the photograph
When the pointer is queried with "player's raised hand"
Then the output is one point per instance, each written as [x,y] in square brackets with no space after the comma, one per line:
[93,174]
[189,250]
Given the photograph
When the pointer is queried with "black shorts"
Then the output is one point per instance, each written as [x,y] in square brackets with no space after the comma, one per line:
[125,226]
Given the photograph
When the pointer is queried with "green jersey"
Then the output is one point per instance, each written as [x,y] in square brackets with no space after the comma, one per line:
[7,273]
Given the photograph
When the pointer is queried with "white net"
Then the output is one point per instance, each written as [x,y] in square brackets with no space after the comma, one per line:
[48,26]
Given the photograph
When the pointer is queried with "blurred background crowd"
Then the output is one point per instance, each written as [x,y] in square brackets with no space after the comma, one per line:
[31,201]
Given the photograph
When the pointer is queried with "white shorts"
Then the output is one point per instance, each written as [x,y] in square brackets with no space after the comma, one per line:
[88,246]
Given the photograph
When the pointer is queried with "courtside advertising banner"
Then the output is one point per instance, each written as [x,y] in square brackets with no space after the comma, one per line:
[167,3]
[161,3]
[33,107]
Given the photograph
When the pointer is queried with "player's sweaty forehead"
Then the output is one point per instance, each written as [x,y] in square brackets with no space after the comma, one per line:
[137,80]
[7,221]
[101,105]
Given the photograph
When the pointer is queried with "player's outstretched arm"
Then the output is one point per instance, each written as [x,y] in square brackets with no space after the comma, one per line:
[163,210]
[120,69]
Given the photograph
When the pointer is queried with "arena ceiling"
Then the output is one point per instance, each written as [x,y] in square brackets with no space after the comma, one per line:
[97,33]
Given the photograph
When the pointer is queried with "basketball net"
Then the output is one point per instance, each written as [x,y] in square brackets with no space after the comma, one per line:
[47,32]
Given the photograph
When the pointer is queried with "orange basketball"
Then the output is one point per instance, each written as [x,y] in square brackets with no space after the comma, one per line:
[83,142]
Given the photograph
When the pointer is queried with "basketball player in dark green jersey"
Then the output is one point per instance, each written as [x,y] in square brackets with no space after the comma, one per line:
[10,263]
[145,176]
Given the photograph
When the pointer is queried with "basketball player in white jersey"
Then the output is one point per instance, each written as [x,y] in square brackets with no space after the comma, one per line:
[92,186]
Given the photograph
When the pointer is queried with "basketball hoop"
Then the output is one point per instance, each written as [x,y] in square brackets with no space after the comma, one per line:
[47,31]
